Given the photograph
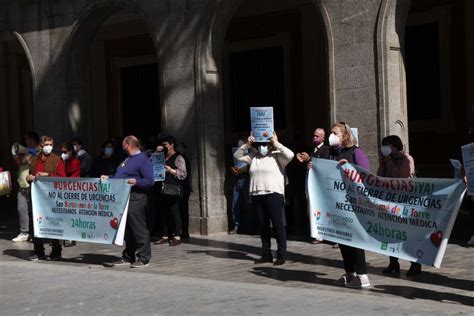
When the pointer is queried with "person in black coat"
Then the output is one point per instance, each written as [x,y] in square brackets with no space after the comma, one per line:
[321,150]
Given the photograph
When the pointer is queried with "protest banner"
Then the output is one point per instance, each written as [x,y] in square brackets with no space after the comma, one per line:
[468,161]
[159,171]
[81,209]
[261,121]
[407,218]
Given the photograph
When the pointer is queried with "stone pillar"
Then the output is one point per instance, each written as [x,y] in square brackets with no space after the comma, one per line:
[46,45]
[392,95]
[210,114]
[180,112]
[351,26]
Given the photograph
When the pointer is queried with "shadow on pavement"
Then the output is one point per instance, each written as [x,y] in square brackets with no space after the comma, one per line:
[18,253]
[417,293]
[425,277]
[292,275]
[238,255]
[85,258]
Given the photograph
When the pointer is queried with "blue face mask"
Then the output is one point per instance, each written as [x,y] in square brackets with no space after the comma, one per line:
[109,151]
[263,150]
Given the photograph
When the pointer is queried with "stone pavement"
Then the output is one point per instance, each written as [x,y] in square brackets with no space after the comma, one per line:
[216,275]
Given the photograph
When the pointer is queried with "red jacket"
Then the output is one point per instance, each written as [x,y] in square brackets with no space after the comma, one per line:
[73,167]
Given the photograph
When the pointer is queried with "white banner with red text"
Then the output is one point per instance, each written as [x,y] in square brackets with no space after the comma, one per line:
[81,209]
[410,219]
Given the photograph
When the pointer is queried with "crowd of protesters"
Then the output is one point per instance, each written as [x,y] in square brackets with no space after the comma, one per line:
[159,211]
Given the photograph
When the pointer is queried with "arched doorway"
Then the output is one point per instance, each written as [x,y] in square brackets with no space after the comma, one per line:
[16,99]
[113,77]
[439,112]
[275,54]
[16,94]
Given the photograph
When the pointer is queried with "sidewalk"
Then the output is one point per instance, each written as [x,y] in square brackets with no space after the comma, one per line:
[217,275]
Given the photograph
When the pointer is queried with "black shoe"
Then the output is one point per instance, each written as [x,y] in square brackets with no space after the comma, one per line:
[54,257]
[393,267]
[264,259]
[37,257]
[175,242]
[69,243]
[415,269]
[161,241]
[140,264]
[118,263]
[279,261]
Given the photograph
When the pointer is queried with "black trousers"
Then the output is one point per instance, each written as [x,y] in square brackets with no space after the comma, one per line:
[38,244]
[184,213]
[271,207]
[137,237]
[354,259]
[413,265]
[168,207]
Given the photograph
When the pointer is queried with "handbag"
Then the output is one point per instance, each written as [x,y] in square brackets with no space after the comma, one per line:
[171,190]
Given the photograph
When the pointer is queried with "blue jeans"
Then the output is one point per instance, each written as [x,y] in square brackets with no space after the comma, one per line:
[239,199]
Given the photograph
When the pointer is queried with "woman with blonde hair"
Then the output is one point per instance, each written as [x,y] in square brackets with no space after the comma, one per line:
[343,148]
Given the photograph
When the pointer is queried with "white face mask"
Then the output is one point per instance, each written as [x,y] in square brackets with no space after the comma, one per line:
[109,151]
[386,150]
[65,156]
[75,148]
[47,149]
[263,150]
[334,140]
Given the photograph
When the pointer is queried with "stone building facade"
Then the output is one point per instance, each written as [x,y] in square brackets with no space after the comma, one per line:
[62,67]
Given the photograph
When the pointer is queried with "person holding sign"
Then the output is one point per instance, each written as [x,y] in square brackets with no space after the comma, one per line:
[266,188]
[46,164]
[394,163]
[343,149]
[137,168]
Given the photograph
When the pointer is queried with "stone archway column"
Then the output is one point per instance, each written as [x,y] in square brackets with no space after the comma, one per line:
[392,94]
[353,66]
[47,56]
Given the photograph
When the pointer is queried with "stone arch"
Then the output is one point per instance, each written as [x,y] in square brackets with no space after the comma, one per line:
[5,27]
[392,109]
[209,98]
[84,28]
[13,122]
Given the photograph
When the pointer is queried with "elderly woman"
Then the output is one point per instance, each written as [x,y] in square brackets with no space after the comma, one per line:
[394,163]
[266,188]
[343,149]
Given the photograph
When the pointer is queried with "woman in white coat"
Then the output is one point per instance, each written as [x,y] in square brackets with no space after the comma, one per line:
[267,187]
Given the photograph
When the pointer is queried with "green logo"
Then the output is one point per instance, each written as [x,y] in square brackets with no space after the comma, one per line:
[384,246]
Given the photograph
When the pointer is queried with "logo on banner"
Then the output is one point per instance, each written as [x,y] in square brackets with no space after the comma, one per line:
[318,215]
[39,219]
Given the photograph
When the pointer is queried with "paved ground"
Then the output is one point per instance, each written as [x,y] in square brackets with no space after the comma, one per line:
[216,275]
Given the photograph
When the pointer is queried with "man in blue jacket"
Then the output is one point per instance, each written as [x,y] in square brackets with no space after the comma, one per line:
[138,170]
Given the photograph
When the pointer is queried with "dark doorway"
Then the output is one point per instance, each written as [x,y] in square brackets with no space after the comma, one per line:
[140,100]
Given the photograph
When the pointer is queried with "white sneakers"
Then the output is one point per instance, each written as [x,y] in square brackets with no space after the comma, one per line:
[353,280]
[360,281]
[21,237]
[470,243]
